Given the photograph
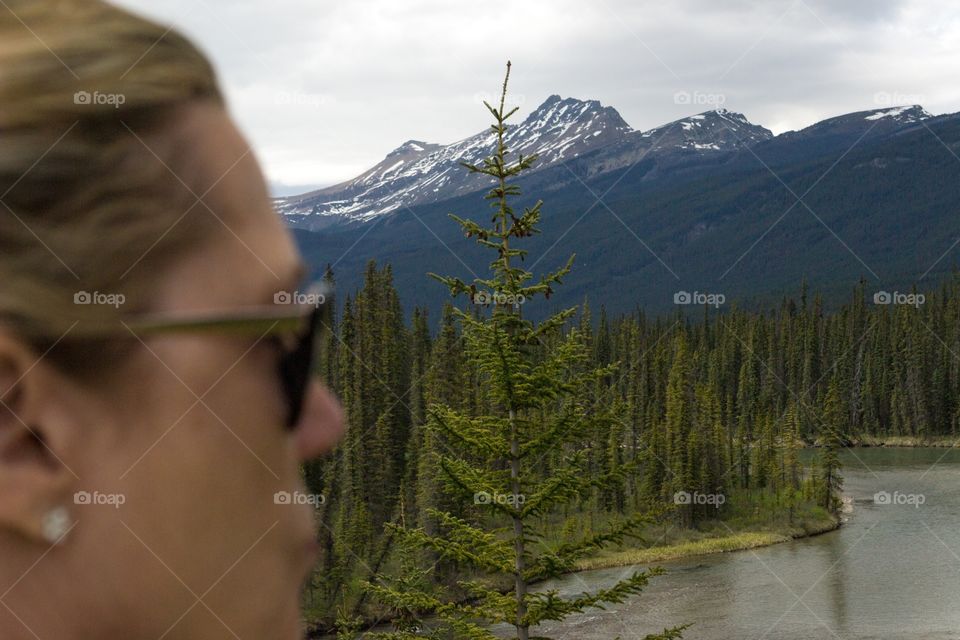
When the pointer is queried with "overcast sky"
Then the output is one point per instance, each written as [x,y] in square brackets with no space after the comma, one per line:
[325,89]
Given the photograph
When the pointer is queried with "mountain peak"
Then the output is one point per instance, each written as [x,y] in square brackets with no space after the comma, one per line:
[860,123]
[904,114]
[563,128]
[725,113]
[412,147]
[712,130]
[557,109]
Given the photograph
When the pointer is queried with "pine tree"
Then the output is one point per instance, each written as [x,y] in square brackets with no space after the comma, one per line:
[834,425]
[678,425]
[534,378]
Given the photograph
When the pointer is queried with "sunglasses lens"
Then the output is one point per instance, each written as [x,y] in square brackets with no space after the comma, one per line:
[296,366]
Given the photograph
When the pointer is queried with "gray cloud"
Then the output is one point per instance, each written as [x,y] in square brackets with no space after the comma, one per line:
[325,89]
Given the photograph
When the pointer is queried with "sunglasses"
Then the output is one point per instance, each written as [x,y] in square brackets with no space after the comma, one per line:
[293,324]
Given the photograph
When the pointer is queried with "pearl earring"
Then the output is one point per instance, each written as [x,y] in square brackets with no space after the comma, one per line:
[56,525]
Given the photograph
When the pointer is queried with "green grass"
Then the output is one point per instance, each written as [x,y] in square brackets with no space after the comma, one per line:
[907,441]
[716,540]
[750,519]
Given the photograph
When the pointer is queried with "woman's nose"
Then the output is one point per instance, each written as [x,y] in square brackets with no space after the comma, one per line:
[321,424]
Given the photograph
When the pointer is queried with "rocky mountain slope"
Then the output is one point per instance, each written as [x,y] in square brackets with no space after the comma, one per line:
[559,131]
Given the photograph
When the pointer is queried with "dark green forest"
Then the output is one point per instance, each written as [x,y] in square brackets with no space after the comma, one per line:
[713,402]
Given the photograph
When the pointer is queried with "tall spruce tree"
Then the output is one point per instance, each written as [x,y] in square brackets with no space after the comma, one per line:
[519,460]
[835,420]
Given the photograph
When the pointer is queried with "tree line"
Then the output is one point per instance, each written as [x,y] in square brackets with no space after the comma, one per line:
[711,403]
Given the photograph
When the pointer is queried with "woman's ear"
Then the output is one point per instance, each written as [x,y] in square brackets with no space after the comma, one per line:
[35,481]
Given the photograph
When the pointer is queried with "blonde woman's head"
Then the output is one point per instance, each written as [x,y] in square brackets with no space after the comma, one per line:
[138,468]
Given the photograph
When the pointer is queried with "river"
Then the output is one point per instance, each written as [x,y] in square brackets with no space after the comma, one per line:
[891,571]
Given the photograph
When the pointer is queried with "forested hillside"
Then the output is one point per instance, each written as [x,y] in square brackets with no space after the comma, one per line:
[707,402]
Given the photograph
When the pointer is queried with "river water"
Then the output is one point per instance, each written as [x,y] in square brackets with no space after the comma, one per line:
[891,571]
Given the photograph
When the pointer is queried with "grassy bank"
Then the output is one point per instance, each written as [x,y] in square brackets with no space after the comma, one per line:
[739,532]
[717,540]
[905,441]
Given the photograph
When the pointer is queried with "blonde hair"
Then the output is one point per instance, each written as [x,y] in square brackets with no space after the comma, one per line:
[89,199]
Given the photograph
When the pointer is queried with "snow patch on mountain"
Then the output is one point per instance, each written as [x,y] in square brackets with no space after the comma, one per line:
[906,114]
[708,131]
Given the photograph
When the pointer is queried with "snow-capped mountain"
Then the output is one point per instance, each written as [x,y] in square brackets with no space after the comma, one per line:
[559,130]
[651,207]
[709,131]
[874,121]
[588,138]
[418,172]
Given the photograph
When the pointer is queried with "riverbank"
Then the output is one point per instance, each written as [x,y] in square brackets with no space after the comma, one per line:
[885,575]
[731,596]
[722,538]
[708,544]
[942,442]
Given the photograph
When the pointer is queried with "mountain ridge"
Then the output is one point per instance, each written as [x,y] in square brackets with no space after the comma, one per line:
[558,131]
[828,205]
[562,131]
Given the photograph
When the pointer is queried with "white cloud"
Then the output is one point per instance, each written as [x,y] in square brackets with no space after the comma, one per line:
[325,89]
